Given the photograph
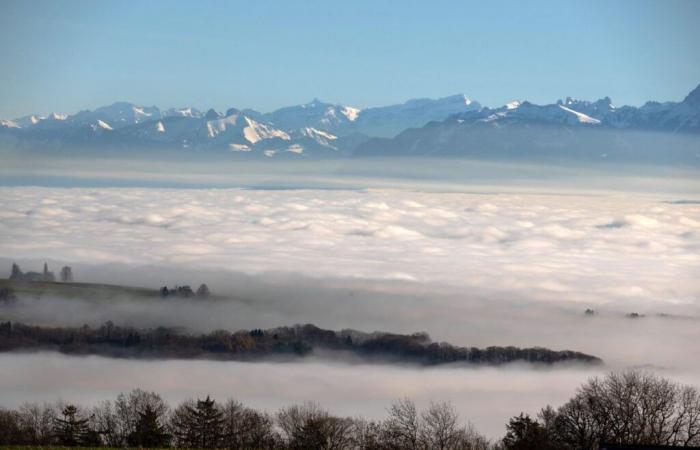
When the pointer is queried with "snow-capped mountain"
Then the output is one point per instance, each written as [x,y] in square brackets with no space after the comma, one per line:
[388,121]
[384,121]
[127,127]
[452,125]
[567,128]
[317,114]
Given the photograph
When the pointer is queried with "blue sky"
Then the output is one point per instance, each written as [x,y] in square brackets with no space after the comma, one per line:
[71,55]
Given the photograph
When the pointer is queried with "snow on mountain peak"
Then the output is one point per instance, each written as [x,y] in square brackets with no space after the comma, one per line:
[54,116]
[256,132]
[9,123]
[582,118]
[315,133]
[513,105]
[183,112]
[239,148]
[350,113]
[295,148]
[139,111]
[103,125]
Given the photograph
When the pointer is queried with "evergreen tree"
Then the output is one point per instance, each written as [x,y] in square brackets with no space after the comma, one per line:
[200,426]
[71,430]
[524,433]
[149,431]
[203,291]
[16,272]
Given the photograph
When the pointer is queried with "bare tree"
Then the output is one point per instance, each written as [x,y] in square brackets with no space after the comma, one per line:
[632,408]
[38,420]
[440,430]
[309,426]
[106,421]
[127,408]
[66,274]
[402,428]
[247,429]
[367,435]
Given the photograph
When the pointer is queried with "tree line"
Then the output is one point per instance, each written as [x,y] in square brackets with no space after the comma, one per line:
[624,408]
[287,342]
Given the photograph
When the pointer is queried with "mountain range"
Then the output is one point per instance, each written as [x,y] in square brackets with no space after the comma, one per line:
[449,126]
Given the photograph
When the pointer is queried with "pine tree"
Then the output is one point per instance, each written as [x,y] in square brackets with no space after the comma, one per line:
[200,426]
[203,291]
[149,432]
[71,431]
[16,272]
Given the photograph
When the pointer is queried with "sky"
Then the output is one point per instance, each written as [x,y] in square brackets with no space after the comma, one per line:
[73,55]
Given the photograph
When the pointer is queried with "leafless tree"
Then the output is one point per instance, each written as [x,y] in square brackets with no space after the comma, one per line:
[38,421]
[66,274]
[246,429]
[309,426]
[632,407]
[125,412]
[402,427]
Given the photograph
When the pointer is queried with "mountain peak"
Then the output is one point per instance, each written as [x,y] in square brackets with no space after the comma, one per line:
[693,98]
[212,114]
[314,103]
[56,116]
[232,111]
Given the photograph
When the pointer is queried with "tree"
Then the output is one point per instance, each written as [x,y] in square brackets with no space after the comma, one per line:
[203,291]
[16,272]
[245,428]
[440,430]
[66,274]
[524,433]
[308,426]
[402,427]
[11,431]
[118,420]
[149,431]
[199,424]
[632,407]
[37,421]
[71,430]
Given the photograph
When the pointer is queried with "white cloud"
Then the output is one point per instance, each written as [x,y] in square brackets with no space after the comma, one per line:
[593,248]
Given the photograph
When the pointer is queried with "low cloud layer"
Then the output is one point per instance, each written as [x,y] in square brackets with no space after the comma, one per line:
[583,248]
[486,397]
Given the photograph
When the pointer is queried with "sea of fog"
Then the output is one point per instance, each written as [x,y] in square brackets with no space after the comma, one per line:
[510,256]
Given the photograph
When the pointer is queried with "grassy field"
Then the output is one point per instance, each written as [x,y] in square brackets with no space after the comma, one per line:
[75,290]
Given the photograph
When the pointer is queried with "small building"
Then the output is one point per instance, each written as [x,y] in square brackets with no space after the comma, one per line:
[18,275]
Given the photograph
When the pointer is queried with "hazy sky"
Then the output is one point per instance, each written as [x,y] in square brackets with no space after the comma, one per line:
[66,56]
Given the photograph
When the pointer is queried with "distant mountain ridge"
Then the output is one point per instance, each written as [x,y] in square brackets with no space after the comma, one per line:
[568,129]
[449,126]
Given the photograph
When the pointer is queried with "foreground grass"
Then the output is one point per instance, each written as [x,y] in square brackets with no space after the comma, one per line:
[59,447]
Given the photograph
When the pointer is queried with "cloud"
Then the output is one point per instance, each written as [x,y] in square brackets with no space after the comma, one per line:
[590,246]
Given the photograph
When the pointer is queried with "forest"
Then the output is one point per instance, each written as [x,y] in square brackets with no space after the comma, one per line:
[632,407]
[282,342]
